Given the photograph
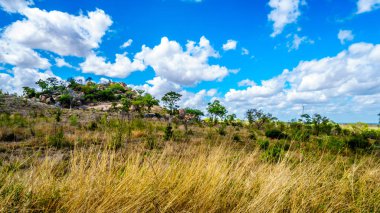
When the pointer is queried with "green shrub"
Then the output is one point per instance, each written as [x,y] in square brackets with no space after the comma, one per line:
[263,144]
[150,142]
[334,144]
[371,134]
[275,134]
[222,130]
[168,132]
[92,126]
[358,142]
[58,140]
[117,140]
[252,136]
[273,154]
[73,120]
[236,138]
[65,100]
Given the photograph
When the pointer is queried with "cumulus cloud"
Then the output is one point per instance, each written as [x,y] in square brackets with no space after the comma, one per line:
[246,82]
[59,32]
[127,43]
[121,68]
[345,35]
[185,67]
[20,56]
[17,78]
[60,62]
[159,86]
[14,6]
[283,12]
[332,84]
[230,45]
[364,6]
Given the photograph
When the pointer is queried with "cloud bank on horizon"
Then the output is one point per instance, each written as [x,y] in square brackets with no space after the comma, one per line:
[336,74]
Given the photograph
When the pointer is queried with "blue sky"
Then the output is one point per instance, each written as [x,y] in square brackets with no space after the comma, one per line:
[277,55]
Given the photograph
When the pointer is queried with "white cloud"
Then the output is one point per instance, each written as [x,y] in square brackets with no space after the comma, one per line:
[21,77]
[14,6]
[283,12]
[345,35]
[230,45]
[159,87]
[127,43]
[122,67]
[59,32]
[244,51]
[364,6]
[246,82]
[104,81]
[212,92]
[60,62]
[297,41]
[185,67]
[23,57]
[332,84]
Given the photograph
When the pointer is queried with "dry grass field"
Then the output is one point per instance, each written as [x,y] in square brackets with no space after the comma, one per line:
[96,162]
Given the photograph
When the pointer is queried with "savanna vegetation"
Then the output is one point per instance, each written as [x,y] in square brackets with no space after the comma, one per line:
[63,156]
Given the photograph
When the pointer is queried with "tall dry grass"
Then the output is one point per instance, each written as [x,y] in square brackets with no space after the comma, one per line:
[189,178]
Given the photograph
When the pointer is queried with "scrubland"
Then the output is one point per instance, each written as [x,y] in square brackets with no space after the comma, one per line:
[88,161]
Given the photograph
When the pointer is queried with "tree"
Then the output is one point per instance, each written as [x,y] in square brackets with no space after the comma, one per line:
[194,113]
[43,85]
[126,104]
[72,83]
[150,101]
[379,118]
[317,123]
[29,92]
[2,101]
[170,101]
[231,119]
[89,79]
[306,119]
[258,117]
[216,109]
[138,104]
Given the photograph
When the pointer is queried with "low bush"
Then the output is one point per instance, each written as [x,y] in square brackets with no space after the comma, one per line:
[275,134]
[222,130]
[236,138]
[168,132]
[358,142]
[58,140]
[263,144]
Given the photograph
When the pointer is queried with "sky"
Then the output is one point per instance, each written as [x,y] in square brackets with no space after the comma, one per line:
[282,56]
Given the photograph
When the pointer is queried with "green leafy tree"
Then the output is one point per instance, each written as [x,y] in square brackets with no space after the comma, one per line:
[66,100]
[258,117]
[230,119]
[170,101]
[150,101]
[195,113]
[306,119]
[126,104]
[73,84]
[2,101]
[29,92]
[320,123]
[43,85]
[138,104]
[216,110]
[379,118]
